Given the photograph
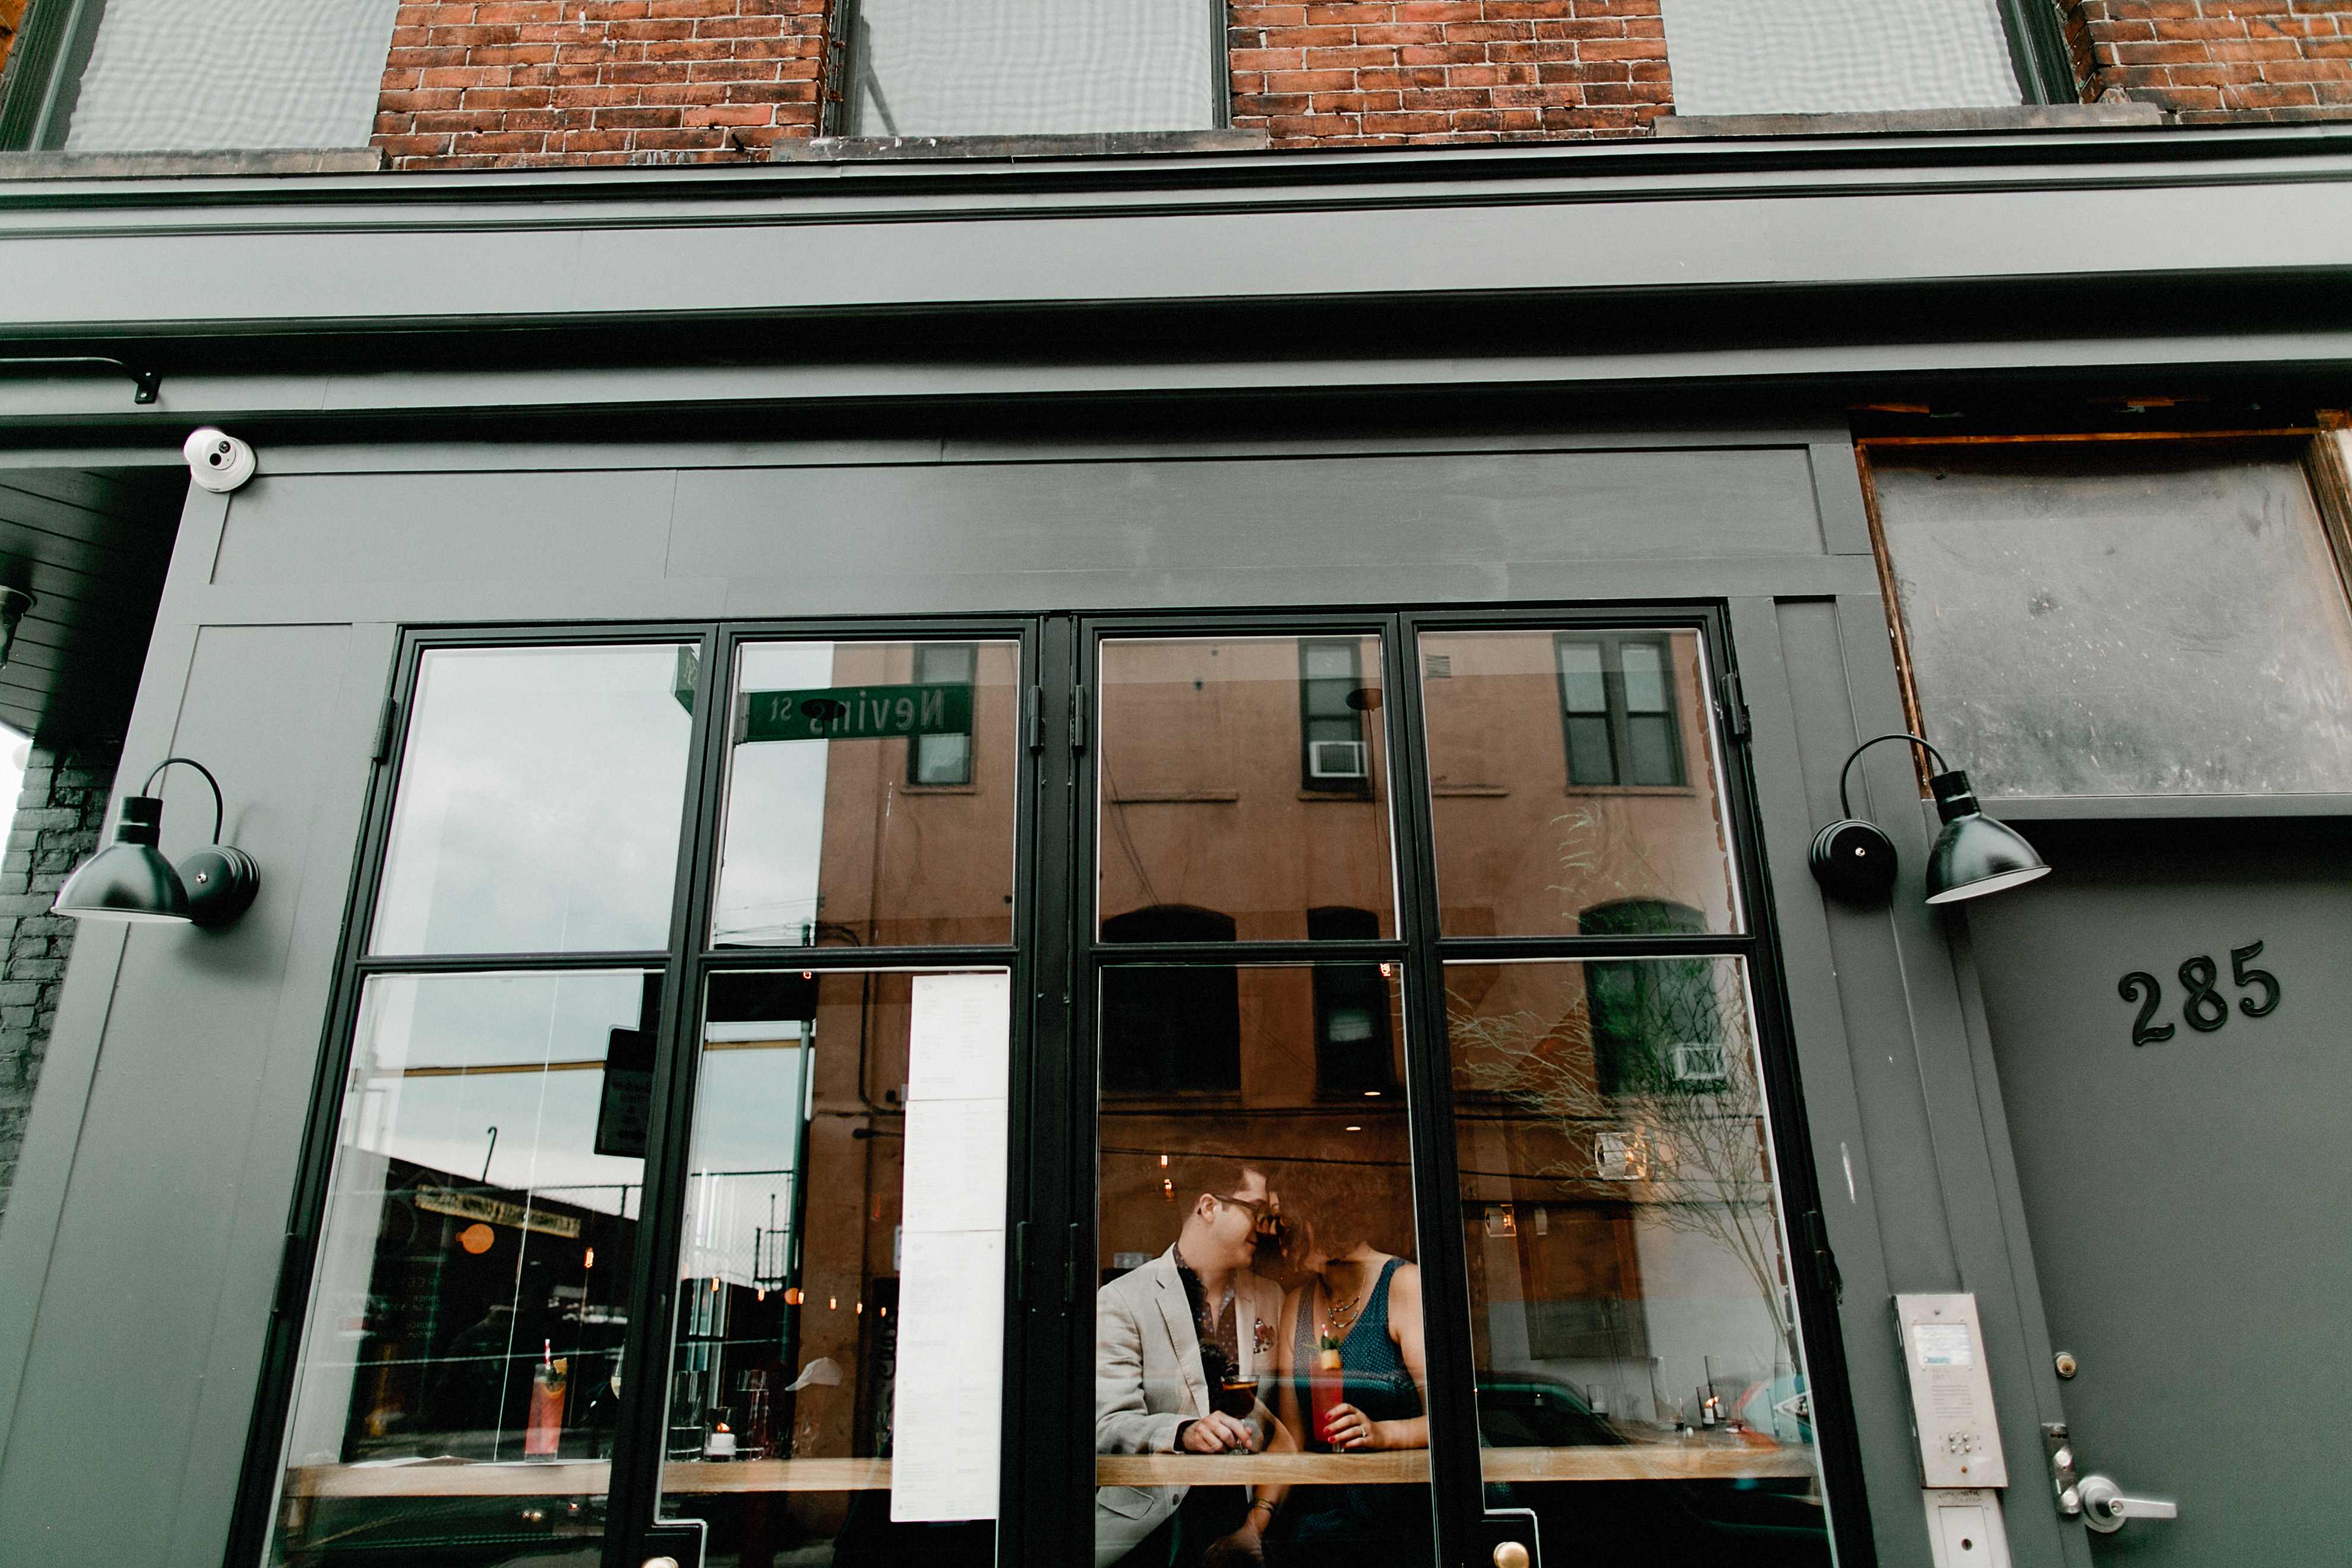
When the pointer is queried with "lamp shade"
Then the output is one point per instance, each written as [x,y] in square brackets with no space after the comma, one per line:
[128,879]
[1974,855]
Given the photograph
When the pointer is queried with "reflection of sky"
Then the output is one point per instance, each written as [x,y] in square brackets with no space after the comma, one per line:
[546,1121]
[540,793]
[775,809]
[746,1121]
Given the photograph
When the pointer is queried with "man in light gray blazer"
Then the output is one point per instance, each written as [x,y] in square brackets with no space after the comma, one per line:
[1162,1332]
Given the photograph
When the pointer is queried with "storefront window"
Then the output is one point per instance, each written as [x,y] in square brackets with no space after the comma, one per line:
[870,796]
[540,801]
[461,1365]
[2085,619]
[1204,804]
[1266,1249]
[1572,771]
[835,1375]
[1642,1381]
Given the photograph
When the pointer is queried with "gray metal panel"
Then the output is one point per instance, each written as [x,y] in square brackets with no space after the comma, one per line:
[481,527]
[1204,527]
[132,1302]
[2117,203]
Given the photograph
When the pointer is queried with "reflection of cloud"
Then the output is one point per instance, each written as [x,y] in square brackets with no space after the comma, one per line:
[541,794]
[546,1121]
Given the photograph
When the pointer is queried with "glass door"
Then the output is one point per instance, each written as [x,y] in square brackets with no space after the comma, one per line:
[1436,1192]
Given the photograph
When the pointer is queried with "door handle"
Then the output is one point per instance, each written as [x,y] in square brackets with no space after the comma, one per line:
[2104,1506]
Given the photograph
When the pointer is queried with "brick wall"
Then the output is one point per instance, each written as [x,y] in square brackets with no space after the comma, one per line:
[508,83]
[2220,61]
[58,820]
[514,82]
[1447,70]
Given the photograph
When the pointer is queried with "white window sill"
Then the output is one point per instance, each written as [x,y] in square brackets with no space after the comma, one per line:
[1916,121]
[168,165]
[1116,143]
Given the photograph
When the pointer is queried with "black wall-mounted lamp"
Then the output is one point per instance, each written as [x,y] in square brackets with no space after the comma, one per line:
[1854,861]
[131,881]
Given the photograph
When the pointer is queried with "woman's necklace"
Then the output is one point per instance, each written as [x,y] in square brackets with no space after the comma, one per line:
[1338,1318]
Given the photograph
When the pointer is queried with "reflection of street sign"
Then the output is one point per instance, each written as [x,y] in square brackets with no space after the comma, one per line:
[686,678]
[853,713]
[1797,1406]
[461,1205]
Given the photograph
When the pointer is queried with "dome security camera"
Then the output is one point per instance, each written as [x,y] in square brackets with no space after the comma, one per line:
[219,461]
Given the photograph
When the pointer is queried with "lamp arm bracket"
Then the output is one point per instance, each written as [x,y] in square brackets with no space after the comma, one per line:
[1845,807]
[219,816]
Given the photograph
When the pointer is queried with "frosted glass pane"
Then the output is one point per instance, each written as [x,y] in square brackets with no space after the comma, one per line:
[2083,624]
[169,76]
[1015,68]
[1823,56]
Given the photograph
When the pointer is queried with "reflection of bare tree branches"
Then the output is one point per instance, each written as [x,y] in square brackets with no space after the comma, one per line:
[1670,1086]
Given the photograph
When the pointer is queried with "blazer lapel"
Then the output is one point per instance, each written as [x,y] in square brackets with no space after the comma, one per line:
[1183,1339]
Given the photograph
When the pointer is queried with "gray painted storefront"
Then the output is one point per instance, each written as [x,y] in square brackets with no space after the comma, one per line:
[142,1247]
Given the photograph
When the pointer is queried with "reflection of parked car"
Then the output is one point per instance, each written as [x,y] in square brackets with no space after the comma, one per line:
[1758,1521]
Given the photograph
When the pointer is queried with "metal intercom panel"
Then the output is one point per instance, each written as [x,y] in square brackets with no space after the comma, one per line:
[1951,1392]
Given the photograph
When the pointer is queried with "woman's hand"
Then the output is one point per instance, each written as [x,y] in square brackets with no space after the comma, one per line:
[1351,1431]
[1239,1550]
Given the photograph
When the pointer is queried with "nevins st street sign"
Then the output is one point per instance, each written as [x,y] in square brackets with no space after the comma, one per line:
[854,713]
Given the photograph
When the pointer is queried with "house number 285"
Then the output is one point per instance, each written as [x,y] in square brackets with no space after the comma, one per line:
[2204,1009]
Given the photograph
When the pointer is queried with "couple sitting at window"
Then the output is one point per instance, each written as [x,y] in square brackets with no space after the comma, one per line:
[1197,1353]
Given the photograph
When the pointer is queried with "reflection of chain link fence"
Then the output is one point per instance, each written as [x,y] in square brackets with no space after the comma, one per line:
[1660,1099]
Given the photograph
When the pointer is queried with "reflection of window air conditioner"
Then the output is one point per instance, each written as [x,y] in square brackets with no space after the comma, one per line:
[1698,1064]
[1335,760]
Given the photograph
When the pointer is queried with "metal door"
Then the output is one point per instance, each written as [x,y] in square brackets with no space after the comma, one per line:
[2168,1014]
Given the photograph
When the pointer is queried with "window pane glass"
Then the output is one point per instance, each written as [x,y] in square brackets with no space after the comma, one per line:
[165,76]
[1537,821]
[1016,68]
[823,845]
[461,1363]
[1584,688]
[835,1380]
[1648,688]
[1642,1383]
[540,801]
[2087,622]
[1237,1239]
[1206,808]
[1819,57]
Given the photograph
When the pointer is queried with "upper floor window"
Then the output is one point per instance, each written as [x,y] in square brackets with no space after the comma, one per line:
[1331,698]
[1826,56]
[1617,710]
[943,759]
[166,75]
[1030,68]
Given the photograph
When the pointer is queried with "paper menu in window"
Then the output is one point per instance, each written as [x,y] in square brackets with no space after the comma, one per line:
[948,1398]
[958,1046]
[955,1166]
[947,1406]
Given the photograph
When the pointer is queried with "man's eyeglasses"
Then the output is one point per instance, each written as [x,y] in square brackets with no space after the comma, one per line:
[1258,1207]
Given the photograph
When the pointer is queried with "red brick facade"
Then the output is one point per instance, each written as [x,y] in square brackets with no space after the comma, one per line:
[2219,61]
[1447,70]
[506,83]
[512,82]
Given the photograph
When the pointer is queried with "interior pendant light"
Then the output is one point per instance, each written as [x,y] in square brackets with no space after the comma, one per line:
[1854,861]
[131,881]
